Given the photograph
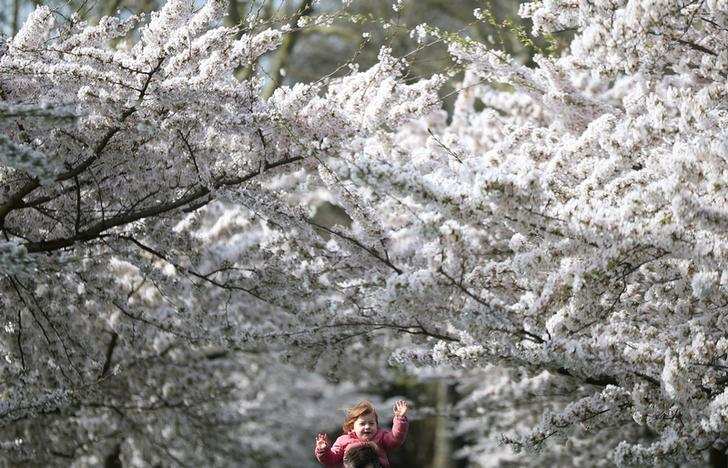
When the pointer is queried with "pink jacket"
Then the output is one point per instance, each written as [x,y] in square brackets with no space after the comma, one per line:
[385,440]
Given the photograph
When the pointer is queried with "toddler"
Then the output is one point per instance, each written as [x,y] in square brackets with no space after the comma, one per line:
[362,426]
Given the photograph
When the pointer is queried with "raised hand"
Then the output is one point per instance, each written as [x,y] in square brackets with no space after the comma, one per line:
[322,441]
[400,408]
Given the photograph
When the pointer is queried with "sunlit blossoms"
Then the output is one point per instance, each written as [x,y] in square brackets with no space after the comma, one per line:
[574,226]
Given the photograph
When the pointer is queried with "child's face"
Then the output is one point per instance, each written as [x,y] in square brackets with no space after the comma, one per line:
[365,426]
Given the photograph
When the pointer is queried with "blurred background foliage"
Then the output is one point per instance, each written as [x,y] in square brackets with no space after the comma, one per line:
[310,52]
[325,48]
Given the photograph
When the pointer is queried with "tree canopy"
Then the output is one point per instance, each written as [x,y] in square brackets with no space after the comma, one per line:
[555,242]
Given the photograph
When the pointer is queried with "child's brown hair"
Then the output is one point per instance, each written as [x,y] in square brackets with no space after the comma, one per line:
[359,409]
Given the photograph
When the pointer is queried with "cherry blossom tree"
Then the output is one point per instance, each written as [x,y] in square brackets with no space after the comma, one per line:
[142,319]
[572,231]
[560,234]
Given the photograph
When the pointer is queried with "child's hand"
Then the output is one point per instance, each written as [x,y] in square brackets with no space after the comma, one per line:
[322,441]
[400,408]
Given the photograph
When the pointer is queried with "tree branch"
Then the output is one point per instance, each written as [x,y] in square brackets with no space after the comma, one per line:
[154,210]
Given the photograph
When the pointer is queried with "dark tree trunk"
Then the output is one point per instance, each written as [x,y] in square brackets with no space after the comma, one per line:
[442,456]
[113,460]
[718,458]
